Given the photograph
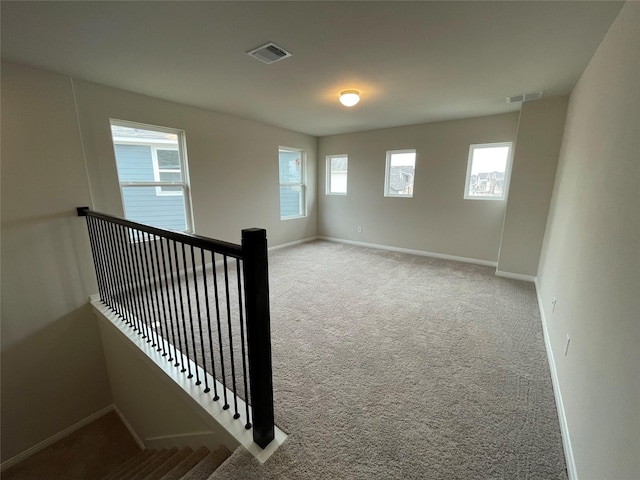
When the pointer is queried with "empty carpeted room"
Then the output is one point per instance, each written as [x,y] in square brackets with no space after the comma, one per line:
[454,260]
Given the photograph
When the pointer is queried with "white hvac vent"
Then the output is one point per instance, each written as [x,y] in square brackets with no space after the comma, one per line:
[524,97]
[269,53]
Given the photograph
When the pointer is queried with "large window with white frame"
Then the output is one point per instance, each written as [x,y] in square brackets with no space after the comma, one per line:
[400,173]
[337,170]
[488,171]
[291,165]
[152,170]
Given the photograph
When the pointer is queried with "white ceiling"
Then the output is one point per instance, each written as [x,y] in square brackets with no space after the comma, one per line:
[413,62]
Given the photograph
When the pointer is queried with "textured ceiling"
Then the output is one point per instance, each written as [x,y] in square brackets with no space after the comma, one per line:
[413,62]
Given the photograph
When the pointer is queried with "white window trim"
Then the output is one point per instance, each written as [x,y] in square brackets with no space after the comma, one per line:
[387,172]
[302,184]
[507,172]
[156,172]
[329,172]
[163,145]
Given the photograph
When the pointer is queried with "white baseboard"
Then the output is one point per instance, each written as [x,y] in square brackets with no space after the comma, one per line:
[564,427]
[516,276]
[126,423]
[422,253]
[54,438]
[291,244]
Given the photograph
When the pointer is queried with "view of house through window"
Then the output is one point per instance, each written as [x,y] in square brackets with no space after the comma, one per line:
[292,187]
[488,171]
[400,173]
[152,172]
[337,166]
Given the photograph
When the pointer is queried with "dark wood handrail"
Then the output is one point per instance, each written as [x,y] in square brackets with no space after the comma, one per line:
[218,246]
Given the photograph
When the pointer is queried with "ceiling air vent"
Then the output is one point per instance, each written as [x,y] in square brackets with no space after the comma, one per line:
[269,53]
[524,97]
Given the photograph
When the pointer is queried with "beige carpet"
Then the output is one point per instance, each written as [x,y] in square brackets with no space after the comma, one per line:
[394,366]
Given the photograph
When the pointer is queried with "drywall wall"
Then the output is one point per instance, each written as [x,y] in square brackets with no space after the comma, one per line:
[590,260]
[53,371]
[437,219]
[148,401]
[233,163]
[533,172]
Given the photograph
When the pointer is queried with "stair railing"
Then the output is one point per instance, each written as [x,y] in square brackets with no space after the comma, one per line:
[181,293]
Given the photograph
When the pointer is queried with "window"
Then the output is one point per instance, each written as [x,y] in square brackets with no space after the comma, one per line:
[152,171]
[400,173]
[337,166]
[488,171]
[292,187]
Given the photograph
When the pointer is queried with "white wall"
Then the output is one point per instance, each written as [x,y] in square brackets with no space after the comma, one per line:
[535,159]
[149,401]
[53,371]
[437,219]
[590,260]
[233,163]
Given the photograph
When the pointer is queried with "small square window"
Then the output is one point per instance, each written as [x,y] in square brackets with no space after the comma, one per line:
[488,171]
[337,167]
[400,173]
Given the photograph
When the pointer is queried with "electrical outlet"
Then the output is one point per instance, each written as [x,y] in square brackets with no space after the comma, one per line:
[359,229]
[553,309]
[566,347]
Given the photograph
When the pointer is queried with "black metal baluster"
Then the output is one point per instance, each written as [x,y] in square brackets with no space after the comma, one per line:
[143,293]
[206,300]
[126,273]
[105,249]
[223,373]
[195,353]
[130,254]
[193,340]
[175,253]
[95,252]
[169,319]
[244,356]
[115,266]
[162,312]
[233,363]
[157,285]
[175,306]
[151,291]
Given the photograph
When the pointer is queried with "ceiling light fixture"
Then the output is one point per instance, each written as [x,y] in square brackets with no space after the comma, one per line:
[349,97]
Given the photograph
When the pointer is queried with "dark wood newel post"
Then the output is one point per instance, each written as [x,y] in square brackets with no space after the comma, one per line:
[256,281]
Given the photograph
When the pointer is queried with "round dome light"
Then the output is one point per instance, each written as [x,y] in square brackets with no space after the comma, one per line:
[349,97]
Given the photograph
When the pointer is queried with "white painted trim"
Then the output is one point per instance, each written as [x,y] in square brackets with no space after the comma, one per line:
[515,276]
[126,423]
[291,244]
[54,438]
[557,393]
[210,411]
[422,253]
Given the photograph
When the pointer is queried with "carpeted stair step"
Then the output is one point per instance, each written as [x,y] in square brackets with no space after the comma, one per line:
[169,464]
[177,472]
[208,464]
[154,462]
[130,464]
[142,467]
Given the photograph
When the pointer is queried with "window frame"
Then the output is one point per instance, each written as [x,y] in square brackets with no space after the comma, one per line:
[507,173]
[157,170]
[156,144]
[302,184]
[387,172]
[329,172]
